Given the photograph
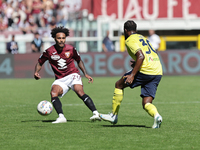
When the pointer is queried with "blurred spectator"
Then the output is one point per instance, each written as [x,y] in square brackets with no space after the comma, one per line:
[12,46]
[3,24]
[3,6]
[62,14]
[48,10]
[37,7]
[22,11]
[24,26]
[37,43]
[107,44]
[28,4]
[51,25]
[39,13]
[8,13]
[34,15]
[24,7]
[33,26]
[154,39]
[15,17]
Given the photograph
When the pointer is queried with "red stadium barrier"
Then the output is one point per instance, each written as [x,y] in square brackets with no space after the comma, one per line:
[101,64]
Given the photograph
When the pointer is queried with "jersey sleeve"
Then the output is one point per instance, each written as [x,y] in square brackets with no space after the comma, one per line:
[76,55]
[133,46]
[43,58]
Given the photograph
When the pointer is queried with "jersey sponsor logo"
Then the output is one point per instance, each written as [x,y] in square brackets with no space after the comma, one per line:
[67,54]
[62,63]
[55,57]
[153,59]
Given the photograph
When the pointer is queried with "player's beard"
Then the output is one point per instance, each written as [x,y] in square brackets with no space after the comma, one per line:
[61,45]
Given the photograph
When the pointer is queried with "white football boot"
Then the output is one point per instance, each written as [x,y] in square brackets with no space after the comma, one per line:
[157,121]
[95,116]
[109,117]
[60,119]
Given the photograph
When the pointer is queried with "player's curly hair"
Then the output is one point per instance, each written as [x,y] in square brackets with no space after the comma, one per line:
[130,25]
[62,29]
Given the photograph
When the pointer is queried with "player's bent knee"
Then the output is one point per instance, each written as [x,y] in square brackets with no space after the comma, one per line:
[56,90]
[146,100]
[79,90]
[119,84]
[80,93]
[53,94]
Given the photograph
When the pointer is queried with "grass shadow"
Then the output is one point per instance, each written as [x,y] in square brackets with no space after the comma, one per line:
[53,120]
[115,126]
[77,121]
[38,121]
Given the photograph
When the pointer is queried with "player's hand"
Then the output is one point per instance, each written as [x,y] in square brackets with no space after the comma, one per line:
[37,76]
[89,78]
[129,79]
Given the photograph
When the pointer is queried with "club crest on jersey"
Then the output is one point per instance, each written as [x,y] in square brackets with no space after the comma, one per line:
[67,54]
[55,57]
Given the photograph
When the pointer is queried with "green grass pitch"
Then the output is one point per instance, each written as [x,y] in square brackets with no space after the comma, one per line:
[22,128]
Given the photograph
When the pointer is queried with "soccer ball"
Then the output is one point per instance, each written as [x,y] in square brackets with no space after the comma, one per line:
[44,108]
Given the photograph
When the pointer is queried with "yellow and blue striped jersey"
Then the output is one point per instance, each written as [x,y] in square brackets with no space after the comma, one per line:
[151,64]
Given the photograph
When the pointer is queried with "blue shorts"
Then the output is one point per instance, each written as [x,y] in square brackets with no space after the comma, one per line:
[148,83]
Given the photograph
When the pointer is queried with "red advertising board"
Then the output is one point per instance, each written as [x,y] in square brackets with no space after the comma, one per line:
[144,9]
[101,64]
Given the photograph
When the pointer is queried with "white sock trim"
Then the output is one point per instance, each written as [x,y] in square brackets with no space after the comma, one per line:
[156,115]
[61,115]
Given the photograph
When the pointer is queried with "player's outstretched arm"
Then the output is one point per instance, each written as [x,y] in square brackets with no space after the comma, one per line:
[138,63]
[37,69]
[82,67]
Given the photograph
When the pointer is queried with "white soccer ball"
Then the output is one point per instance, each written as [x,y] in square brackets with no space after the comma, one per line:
[44,108]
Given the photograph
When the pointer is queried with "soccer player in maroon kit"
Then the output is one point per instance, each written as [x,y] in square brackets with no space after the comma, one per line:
[61,58]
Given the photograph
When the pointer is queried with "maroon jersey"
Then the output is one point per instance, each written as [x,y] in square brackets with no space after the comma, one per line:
[62,63]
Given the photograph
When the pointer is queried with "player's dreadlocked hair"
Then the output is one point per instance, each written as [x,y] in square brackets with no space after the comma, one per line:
[59,29]
[130,25]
